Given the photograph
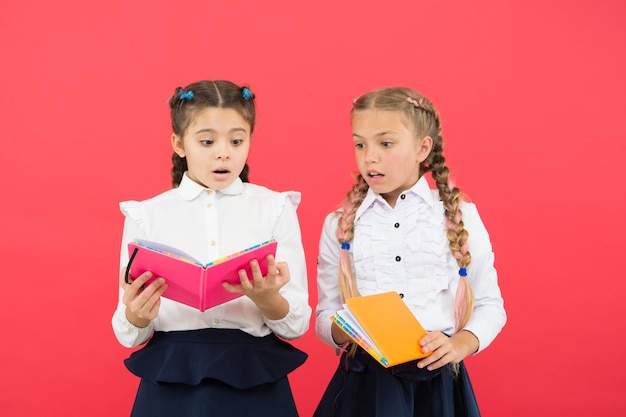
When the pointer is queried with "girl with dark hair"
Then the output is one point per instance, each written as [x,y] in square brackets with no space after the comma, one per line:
[228,360]
[394,233]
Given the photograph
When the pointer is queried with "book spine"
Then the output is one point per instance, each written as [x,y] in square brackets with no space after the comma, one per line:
[359,340]
[203,288]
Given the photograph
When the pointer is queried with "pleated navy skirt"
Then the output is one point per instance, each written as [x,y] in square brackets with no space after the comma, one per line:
[362,387]
[214,372]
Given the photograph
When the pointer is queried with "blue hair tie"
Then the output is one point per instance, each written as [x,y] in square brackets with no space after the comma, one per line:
[463,272]
[345,245]
[185,95]
[247,94]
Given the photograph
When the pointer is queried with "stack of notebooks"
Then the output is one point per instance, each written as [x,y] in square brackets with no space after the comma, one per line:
[189,281]
[384,326]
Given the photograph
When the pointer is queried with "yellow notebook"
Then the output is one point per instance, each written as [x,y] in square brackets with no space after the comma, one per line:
[383,326]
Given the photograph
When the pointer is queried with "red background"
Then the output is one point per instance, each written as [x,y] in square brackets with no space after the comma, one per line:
[532,99]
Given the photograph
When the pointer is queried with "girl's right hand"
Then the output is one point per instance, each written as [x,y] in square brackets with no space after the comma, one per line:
[142,304]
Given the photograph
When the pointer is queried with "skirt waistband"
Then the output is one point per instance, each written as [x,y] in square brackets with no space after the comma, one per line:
[409,370]
[227,355]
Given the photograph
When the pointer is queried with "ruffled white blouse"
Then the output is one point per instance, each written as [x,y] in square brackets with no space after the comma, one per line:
[209,224]
[405,249]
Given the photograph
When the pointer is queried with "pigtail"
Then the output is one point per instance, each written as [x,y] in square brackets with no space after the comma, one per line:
[179,166]
[245,172]
[178,103]
[345,233]
[456,233]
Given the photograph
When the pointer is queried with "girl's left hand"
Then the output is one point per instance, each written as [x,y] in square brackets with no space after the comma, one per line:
[446,349]
[263,290]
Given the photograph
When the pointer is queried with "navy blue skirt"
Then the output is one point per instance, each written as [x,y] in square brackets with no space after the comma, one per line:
[214,372]
[362,387]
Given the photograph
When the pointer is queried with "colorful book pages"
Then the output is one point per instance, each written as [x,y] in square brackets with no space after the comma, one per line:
[384,326]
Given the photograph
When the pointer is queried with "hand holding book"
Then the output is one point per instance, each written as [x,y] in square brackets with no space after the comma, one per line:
[264,289]
[140,311]
[383,326]
[189,281]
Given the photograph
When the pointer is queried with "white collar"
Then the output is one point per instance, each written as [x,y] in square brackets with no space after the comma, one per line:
[419,189]
[189,189]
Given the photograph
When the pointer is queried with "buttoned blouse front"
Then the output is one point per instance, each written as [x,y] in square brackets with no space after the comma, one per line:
[405,249]
[209,224]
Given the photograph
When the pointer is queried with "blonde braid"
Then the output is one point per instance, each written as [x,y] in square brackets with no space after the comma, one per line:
[456,233]
[345,233]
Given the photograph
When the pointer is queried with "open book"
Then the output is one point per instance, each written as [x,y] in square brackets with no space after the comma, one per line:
[384,326]
[189,281]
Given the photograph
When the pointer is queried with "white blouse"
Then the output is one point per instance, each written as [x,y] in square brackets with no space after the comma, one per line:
[209,224]
[405,249]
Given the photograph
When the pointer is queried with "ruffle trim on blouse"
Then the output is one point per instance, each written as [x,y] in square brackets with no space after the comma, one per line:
[133,210]
[294,197]
[227,355]
[428,262]
[425,255]
[284,198]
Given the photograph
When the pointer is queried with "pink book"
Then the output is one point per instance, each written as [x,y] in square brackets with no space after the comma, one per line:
[189,281]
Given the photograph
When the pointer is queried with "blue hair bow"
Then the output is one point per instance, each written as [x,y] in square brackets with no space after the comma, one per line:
[185,95]
[247,94]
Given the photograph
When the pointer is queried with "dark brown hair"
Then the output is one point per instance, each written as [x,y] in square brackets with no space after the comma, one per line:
[187,102]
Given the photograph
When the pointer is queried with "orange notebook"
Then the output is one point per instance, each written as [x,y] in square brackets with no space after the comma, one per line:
[384,326]
[189,281]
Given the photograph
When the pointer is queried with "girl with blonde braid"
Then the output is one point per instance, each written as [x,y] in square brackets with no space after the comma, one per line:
[394,233]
